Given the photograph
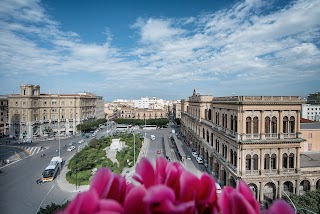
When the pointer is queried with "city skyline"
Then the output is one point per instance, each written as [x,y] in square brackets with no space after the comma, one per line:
[126,50]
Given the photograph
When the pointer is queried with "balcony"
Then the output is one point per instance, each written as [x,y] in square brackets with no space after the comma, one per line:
[271,171]
[252,172]
[289,135]
[289,171]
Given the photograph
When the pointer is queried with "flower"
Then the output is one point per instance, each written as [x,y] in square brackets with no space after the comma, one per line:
[165,188]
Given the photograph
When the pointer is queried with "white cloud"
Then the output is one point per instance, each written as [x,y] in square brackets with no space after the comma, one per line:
[251,41]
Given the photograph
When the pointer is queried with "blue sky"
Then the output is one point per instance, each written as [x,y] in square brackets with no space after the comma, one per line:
[124,49]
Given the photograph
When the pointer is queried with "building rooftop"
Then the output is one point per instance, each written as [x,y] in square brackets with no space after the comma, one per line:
[310,160]
[314,125]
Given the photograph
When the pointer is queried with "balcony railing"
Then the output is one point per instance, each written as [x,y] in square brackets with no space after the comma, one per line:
[271,171]
[290,170]
[252,172]
[289,135]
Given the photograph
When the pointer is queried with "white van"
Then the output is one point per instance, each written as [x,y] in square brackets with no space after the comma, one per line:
[153,137]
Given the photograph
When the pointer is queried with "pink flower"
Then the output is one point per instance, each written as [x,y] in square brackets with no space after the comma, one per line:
[240,200]
[280,206]
[166,188]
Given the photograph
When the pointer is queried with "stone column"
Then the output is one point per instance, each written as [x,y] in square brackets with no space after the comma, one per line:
[262,126]
[279,189]
[261,162]
[297,128]
[243,163]
[280,121]
[261,192]
[297,164]
[280,161]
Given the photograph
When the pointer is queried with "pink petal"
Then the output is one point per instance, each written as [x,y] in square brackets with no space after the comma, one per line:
[224,200]
[281,207]
[102,182]
[188,185]
[161,165]
[109,206]
[207,195]
[244,189]
[133,202]
[161,199]
[84,203]
[118,189]
[145,173]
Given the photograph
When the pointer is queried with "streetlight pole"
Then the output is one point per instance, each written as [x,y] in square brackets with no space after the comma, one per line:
[134,149]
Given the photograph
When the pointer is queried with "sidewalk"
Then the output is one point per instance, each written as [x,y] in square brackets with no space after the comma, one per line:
[65,185]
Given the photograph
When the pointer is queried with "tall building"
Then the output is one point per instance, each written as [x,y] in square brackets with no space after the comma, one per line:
[149,103]
[310,112]
[3,115]
[33,114]
[176,110]
[100,108]
[255,138]
[314,99]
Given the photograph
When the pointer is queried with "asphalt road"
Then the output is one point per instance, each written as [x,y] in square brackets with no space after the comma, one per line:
[19,191]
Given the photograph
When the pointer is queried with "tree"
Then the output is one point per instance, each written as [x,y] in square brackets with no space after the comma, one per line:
[53,208]
[307,202]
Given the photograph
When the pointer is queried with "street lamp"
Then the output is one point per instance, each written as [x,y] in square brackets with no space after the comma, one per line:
[134,149]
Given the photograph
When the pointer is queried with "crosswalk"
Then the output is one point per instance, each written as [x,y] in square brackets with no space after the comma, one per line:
[31,150]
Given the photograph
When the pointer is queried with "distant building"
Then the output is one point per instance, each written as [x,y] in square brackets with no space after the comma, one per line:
[150,113]
[100,108]
[3,115]
[314,99]
[311,112]
[311,133]
[149,103]
[176,110]
[32,114]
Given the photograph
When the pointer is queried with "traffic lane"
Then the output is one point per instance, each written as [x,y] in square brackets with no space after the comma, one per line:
[20,193]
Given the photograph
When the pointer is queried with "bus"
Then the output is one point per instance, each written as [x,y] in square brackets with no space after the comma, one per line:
[149,127]
[51,171]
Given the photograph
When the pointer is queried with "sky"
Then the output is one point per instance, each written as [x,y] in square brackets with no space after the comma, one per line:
[128,49]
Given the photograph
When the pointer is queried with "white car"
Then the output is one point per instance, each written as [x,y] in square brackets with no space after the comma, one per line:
[199,160]
[71,148]
[194,154]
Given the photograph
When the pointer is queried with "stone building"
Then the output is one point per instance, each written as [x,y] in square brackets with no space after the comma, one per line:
[255,138]
[32,114]
[3,115]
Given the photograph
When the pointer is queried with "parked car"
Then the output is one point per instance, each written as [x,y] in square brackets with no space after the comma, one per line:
[188,157]
[199,160]
[71,144]
[71,148]
[194,154]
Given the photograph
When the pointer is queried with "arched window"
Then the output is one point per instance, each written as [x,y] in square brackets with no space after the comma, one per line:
[212,139]
[217,146]
[187,109]
[235,159]
[207,136]
[248,162]
[291,161]
[267,161]
[209,114]
[255,162]
[231,156]
[274,125]
[285,161]
[231,120]
[235,124]
[292,124]
[203,133]
[267,125]
[206,114]
[248,125]
[285,124]
[217,118]
[255,125]
[273,161]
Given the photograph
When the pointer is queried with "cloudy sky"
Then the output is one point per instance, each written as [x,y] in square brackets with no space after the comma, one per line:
[124,49]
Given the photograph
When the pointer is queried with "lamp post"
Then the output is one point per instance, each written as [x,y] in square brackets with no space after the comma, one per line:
[134,149]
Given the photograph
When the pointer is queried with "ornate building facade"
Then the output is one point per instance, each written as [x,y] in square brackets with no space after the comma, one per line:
[255,138]
[33,114]
[3,115]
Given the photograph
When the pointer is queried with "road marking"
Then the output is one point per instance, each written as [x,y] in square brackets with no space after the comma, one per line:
[18,156]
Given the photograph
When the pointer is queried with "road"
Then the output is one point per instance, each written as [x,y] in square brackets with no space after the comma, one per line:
[19,191]
[21,194]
